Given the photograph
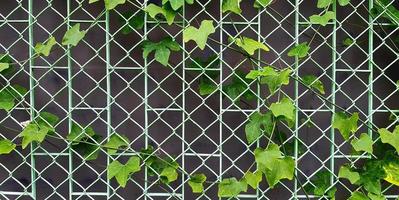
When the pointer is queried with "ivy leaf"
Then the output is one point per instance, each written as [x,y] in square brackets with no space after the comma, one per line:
[322,19]
[231,5]
[346,125]
[364,143]
[9,95]
[200,35]
[257,122]
[322,185]
[154,10]
[77,134]
[111,4]
[45,49]
[375,196]
[346,172]
[250,45]
[4,66]
[392,173]
[131,20]
[207,84]
[6,146]
[388,10]
[176,4]
[122,172]
[116,141]
[283,108]
[371,174]
[238,88]
[313,82]
[323,3]
[169,174]
[73,36]
[253,179]
[343,2]
[31,133]
[196,182]
[358,196]
[261,3]
[348,41]
[162,49]
[271,77]
[48,120]
[230,187]
[300,50]
[88,149]
[391,138]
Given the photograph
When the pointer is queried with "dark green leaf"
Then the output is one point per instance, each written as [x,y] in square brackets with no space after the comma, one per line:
[358,196]
[258,122]
[348,42]
[162,49]
[314,83]
[115,142]
[322,185]
[131,20]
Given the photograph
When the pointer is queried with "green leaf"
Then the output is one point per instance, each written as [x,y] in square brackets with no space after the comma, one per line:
[45,49]
[115,142]
[346,172]
[284,108]
[376,196]
[387,9]
[176,4]
[9,95]
[348,41]
[346,125]
[257,123]
[32,133]
[371,174]
[300,50]
[162,49]
[207,84]
[111,4]
[358,196]
[169,174]
[122,172]
[131,20]
[48,120]
[343,2]
[230,187]
[73,36]
[364,143]
[196,182]
[6,146]
[77,134]
[391,138]
[322,19]
[231,5]
[238,88]
[323,3]
[322,185]
[250,45]
[271,77]
[314,83]
[200,35]
[88,148]
[167,12]
[392,172]
[261,3]
[253,179]
[4,66]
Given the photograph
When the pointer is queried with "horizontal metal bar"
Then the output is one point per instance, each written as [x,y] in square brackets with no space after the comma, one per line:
[89,193]
[51,154]
[202,154]
[12,193]
[154,194]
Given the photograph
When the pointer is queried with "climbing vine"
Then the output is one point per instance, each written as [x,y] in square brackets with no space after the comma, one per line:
[275,161]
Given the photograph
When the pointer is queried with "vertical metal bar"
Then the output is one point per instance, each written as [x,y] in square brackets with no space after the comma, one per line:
[145,105]
[296,98]
[371,68]
[109,98]
[219,178]
[184,107]
[70,71]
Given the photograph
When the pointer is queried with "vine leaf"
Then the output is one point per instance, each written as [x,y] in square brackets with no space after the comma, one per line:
[116,141]
[300,50]
[111,4]
[271,77]
[154,10]
[257,122]
[253,179]
[45,48]
[358,196]
[73,36]
[261,3]
[196,182]
[131,20]
[9,95]
[231,187]
[274,165]
[371,174]
[84,141]
[376,196]
[323,3]
[284,108]
[48,120]
[348,42]
[392,172]
[313,82]
[231,5]
[207,84]
[322,185]
[77,134]
[387,9]
[346,172]
[238,88]
[322,19]
[33,132]
[200,35]
[4,66]
[169,174]
[122,172]
[391,138]
[346,125]
[162,49]
[176,4]
[250,45]
[364,143]
[343,2]
[6,146]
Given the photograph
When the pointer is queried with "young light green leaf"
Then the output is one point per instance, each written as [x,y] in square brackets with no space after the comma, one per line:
[9,95]
[314,83]
[323,3]
[343,2]
[169,174]
[391,172]
[346,125]
[348,41]
[257,123]
[93,1]
[231,5]
[111,4]
[154,10]
[261,3]
[45,49]
[6,146]
[31,133]
[300,50]
[358,196]
[176,4]
[73,36]
[283,108]
[162,49]
[271,77]
[322,19]
[115,142]
[4,66]
[346,172]
[253,179]
[230,187]
[122,172]
[196,182]
[364,143]
[200,35]
[391,138]
[250,45]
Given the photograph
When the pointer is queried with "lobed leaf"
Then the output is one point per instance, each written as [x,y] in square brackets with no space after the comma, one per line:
[346,125]
[199,35]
